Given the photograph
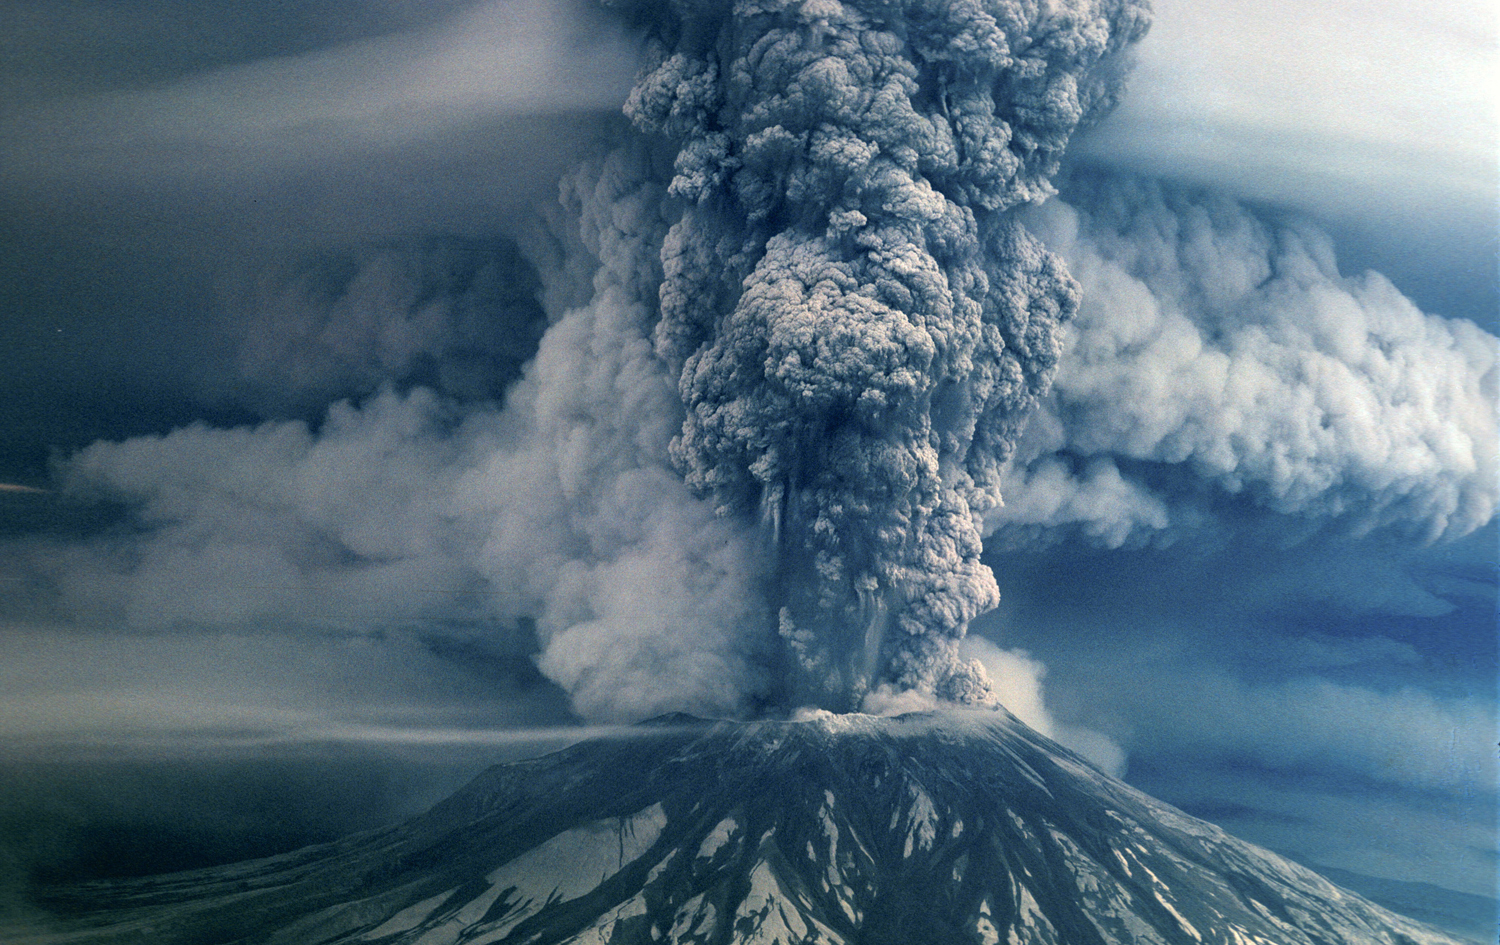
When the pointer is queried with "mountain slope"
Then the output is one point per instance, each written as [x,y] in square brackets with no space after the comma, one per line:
[841,829]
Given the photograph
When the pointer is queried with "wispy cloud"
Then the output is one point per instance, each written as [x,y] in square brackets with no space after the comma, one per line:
[1379,117]
[237,123]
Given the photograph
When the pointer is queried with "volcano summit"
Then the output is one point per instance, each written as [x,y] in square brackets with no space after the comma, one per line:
[837,829]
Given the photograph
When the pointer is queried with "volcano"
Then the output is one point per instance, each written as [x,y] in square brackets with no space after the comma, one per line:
[925,828]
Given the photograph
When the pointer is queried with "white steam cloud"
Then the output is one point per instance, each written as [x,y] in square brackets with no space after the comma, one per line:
[276,523]
[1213,341]
[644,599]
[1019,681]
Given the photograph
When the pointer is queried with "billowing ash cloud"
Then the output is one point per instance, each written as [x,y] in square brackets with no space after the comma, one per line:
[643,599]
[860,324]
[1222,347]
[792,328]
[460,316]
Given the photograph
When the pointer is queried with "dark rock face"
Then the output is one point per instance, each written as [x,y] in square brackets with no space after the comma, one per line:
[841,829]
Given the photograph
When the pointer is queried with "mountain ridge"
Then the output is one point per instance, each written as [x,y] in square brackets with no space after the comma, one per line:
[959,827]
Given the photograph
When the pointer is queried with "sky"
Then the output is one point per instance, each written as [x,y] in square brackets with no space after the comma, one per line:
[299,527]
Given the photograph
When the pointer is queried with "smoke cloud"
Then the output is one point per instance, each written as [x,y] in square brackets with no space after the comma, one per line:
[726,434]
[460,316]
[789,331]
[860,325]
[1216,343]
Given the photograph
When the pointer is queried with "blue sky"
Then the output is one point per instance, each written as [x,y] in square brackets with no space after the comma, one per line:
[1273,605]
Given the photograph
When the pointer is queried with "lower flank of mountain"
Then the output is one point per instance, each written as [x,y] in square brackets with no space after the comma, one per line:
[967,828]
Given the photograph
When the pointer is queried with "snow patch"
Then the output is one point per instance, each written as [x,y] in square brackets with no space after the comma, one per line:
[1107,904]
[988,934]
[768,916]
[1028,913]
[850,913]
[694,918]
[721,834]
[659,868]
[603,931]
[1187,927]
[567,866]
[1025,770]
[408,918]
[922,830]
[832,879]
[1157,892]
[1242,937]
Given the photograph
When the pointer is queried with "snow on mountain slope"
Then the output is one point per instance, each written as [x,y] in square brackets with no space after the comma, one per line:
[841,829]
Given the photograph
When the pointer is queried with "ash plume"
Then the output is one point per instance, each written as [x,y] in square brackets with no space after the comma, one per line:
[1225,344]
[787,330]
[459,316]
[860,325]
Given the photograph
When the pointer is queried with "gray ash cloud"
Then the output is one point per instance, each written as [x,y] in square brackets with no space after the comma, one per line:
[727,432]
[860,325]
[1225,343]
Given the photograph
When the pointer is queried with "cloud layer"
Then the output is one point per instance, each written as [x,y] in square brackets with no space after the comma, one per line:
[1381,121]
[1222,345]
[276,115]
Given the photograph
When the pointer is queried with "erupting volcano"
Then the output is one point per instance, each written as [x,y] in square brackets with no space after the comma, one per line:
[839,829]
